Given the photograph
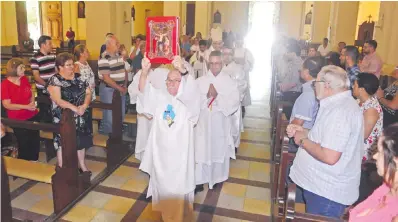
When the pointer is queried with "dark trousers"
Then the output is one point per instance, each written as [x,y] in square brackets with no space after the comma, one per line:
[28,142]
[45,114]
[289,96]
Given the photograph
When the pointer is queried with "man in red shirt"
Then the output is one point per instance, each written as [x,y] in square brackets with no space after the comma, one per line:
[19,101]
[71,37]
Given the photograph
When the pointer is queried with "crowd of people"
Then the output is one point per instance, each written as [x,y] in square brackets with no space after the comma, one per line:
[189,116]
[343,129]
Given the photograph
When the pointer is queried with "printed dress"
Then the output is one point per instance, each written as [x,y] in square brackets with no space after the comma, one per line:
[372,102]
[73,91]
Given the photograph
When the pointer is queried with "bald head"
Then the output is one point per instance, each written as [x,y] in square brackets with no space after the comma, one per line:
[173,81]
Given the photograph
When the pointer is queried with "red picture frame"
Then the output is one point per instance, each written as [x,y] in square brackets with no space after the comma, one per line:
[162,38]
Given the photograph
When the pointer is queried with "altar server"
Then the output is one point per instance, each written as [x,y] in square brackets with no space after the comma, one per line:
[236,72]
[214,145]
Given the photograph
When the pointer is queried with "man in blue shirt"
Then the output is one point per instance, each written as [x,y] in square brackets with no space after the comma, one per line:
[349,58]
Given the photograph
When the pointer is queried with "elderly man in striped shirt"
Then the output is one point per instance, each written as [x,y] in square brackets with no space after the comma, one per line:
[327,165]
[113,76]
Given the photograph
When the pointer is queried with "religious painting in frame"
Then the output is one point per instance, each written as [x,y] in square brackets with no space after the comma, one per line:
[162,39]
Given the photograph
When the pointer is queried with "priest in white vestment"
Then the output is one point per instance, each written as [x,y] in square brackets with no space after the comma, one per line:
[244,57]
[169,153]
[214,145]
[236,72]
[156,78]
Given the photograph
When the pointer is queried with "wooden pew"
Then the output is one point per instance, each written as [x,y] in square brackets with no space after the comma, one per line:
[118,150]
[280,167]
[67,183]
[290,214]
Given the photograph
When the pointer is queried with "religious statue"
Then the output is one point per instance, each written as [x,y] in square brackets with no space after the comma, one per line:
[217,17]
[133,13]
[308,18]
[81,8]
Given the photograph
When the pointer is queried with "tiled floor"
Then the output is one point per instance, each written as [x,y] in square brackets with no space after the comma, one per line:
[121,197]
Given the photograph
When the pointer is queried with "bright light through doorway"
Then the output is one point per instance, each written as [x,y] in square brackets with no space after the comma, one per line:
[259,42]
[33,19]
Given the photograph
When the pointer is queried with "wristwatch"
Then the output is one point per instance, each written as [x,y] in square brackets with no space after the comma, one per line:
[302,141]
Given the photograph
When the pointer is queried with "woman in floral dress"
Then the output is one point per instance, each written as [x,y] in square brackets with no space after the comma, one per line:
[364,89]
[69,91]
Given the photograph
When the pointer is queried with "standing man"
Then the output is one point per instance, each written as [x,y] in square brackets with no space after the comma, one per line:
[214,144]
[70,34]
[244,57]
[349,58]
[372,62]
[324,49]
[43,67]
[169,157]
[236,72]
[113,76]
[197,60]
[327,165]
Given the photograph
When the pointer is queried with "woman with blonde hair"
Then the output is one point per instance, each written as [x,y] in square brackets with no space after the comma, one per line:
[82,67]
[19,101]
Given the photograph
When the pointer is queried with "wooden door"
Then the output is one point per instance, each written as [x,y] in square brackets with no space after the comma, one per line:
[190,18]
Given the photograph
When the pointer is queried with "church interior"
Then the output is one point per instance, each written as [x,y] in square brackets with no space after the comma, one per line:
[117,188]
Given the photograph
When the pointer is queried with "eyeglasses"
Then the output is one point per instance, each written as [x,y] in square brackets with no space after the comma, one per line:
[314,82]
[21,66]
[173,80]
[215,63]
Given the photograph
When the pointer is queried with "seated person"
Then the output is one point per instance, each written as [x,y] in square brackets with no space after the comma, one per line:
[382,205]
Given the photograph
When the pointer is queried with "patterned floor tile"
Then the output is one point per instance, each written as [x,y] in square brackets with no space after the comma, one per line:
[114,181]
[230,202]
[26,201]
[135,185]
[81,213]
[149,215]
[257,206]
[107,216]
[42,189]
[95,199]
[239,173]
[45,207]
[258,193]
[232,189]
[224,219]
[119,205]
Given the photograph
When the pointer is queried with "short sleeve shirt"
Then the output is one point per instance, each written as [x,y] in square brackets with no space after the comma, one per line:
[306,106]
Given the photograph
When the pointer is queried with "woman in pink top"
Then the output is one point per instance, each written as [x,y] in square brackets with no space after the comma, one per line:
[382,205]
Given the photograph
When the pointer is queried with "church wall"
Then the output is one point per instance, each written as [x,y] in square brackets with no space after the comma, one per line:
[156,9]
[70,19]
[290,18]
[343,27]
[9,33]
[320,20]
[366,9]
[386,33]
[234,15]
[203,17]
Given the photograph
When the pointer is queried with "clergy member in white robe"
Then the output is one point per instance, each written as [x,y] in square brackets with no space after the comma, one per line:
[214,145]
[197,60]
[244,57]
[169,153]
[156,78]
[236,72]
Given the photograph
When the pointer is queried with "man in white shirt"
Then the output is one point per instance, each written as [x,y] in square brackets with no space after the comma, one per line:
[237,73]
[169,161]
[327,165]
[214,145]
[324,49]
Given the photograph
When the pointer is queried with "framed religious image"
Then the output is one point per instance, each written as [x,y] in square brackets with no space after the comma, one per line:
[162,38]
